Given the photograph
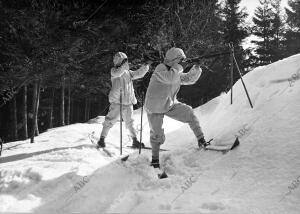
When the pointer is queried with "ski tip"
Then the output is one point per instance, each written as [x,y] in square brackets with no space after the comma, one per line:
[235,144]
[125,158]
[162,175]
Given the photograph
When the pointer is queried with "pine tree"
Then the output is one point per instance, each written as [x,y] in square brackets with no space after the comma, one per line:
[292,35]
[277,31]
[269,29]
[234,24]
[263,30]
[235,31]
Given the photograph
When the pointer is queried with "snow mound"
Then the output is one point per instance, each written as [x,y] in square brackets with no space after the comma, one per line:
[63,172]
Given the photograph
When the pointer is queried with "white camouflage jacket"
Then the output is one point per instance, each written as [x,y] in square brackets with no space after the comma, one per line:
[165,84]
[121,79]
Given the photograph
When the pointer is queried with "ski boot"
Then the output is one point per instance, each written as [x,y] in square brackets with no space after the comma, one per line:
[136,144]
[155,163]
[101,143]
[202,143]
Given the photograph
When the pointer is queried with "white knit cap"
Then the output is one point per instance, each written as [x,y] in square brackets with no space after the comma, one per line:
[119,57]
[174,55]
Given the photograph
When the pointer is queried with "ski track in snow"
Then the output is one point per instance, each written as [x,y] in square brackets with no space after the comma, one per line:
[259,176]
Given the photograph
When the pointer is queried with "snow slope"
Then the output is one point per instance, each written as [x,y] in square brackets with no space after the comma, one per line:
[62,172]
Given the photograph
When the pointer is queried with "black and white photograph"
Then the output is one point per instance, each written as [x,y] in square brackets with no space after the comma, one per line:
[150,106]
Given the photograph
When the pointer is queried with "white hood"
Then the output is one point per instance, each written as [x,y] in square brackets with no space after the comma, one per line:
[173,56]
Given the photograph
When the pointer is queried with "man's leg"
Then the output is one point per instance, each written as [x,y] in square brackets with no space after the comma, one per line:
[157,136]
[185,114]
[110,119]
[127,116]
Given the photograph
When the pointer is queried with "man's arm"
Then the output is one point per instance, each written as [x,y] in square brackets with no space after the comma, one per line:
[166,76]
[192,76]
[117,72]
[140,72]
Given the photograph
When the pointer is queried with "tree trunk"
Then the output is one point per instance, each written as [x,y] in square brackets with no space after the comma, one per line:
[78,115]
[34,102]
[62,104]
[69,104]
[24,113]
[78,112]
[51,109]
[87,109]
[72,111]
[37,132]
[36,96]
[14,119]
[34,99]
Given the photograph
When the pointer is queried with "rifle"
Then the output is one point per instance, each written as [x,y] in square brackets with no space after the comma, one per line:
[197,59]
[154,58]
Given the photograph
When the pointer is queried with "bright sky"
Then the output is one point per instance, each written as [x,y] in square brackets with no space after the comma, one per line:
[251,5]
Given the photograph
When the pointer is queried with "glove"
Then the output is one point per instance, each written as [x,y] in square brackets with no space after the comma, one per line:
[197,65]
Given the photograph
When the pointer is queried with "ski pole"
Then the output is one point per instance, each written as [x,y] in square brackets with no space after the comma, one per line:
[231,70]
[237,66]
[141,131]
[243,82]
[121,122]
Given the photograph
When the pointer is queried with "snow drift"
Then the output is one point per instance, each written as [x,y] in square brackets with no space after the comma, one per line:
[63,172]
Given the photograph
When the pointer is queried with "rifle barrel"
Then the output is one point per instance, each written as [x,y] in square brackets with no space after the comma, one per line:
[196,59]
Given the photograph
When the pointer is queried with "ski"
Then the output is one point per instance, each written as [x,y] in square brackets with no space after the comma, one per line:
[224,149]
[108,153]
[146,147]
[125,158]
[162,175]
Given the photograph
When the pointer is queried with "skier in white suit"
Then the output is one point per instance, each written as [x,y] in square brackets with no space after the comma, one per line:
[161,100]
[121,78]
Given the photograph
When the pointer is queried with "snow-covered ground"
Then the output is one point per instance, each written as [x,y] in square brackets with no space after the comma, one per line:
[63,172]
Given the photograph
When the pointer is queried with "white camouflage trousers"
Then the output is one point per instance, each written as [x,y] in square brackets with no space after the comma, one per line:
[180,112]
[114,114]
